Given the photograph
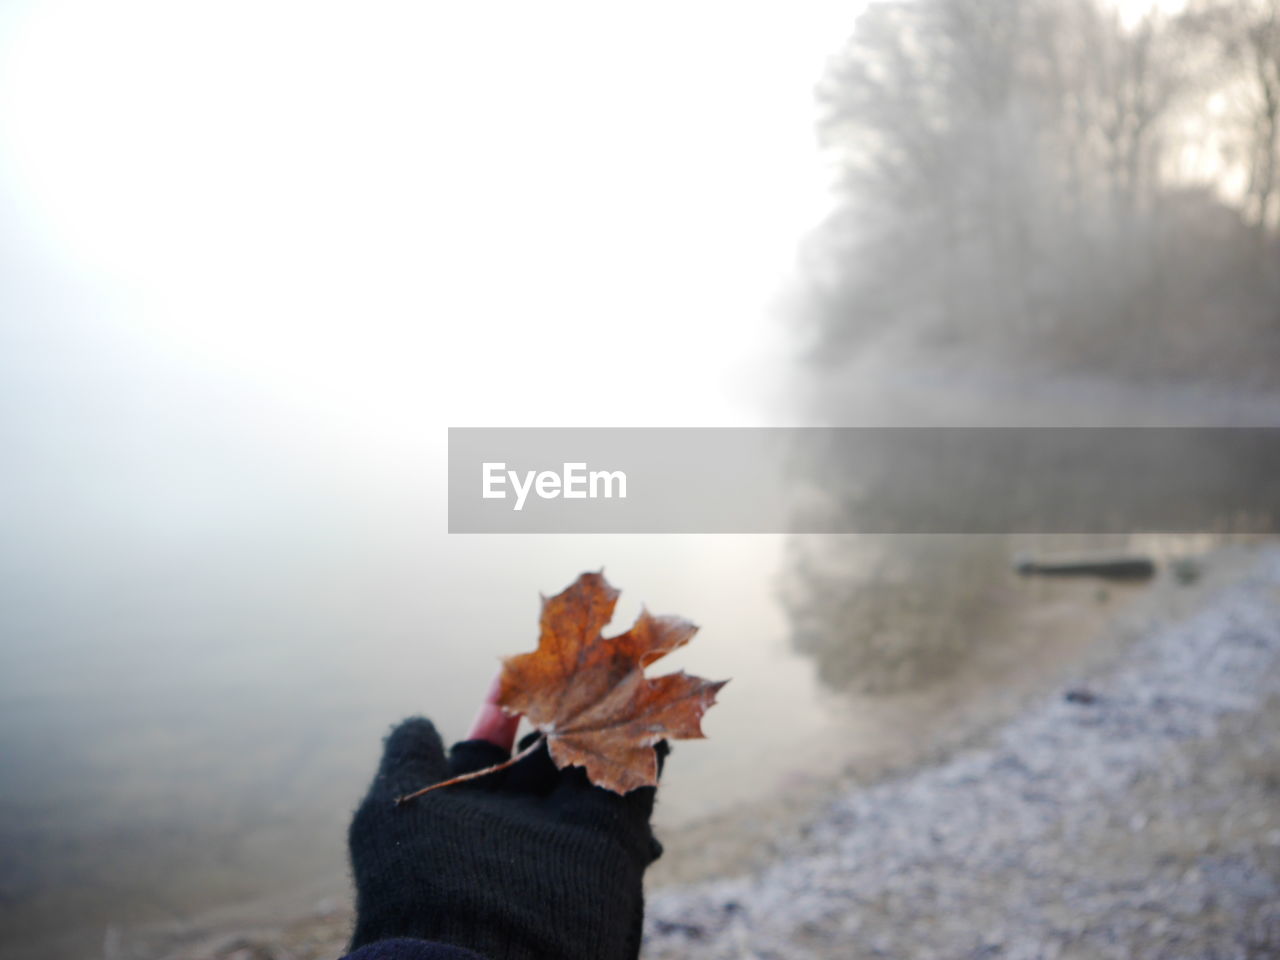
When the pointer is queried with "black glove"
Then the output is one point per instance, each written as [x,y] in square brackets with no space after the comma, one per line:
[530,862]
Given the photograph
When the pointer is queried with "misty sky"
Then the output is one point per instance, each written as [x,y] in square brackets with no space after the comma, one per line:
[254,258]
[257,256]
[390,217]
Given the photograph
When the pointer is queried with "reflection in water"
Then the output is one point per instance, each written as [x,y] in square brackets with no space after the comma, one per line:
[903,615]
[890,614]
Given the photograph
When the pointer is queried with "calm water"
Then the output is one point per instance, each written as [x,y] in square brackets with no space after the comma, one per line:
[204,634]
[188,724]
[193,690]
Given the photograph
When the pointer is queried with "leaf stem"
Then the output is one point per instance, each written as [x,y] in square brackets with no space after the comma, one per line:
[476,774]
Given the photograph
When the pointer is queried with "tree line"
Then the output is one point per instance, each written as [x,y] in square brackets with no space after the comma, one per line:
[1058,181]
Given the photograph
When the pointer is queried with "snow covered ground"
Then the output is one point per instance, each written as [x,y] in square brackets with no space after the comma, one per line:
[1138,817]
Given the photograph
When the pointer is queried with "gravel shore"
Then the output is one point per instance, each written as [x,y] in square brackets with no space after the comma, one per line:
[1133,814]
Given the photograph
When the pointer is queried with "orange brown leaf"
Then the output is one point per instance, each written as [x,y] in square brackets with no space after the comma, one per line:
[588,694]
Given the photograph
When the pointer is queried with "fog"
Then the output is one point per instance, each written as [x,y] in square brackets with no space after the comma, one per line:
[255,258]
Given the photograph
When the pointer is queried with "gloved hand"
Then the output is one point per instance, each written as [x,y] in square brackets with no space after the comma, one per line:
[529,862]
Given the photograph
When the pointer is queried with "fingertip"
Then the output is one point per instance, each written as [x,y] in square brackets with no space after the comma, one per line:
[663,749]
[655,848]
[495,726]
[412,753]
[492,723]
[639,802]
[413,739]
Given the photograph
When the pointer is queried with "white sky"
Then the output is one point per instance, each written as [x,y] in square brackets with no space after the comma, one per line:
[406,215]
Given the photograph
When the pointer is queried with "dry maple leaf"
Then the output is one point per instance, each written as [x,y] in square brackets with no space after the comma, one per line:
[588,695]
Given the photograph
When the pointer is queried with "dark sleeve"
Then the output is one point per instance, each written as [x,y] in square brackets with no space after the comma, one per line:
[404,949]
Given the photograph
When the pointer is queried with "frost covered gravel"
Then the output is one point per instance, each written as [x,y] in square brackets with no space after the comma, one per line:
[1138,820]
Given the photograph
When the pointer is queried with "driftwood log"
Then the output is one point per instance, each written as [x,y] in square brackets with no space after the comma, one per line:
[1110,567]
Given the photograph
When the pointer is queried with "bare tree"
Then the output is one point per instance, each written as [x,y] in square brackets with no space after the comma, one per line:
[1011,174]
[1246,36]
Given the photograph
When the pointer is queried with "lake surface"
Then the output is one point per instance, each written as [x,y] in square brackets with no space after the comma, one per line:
[185,733]
[189,724]
[204,636]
